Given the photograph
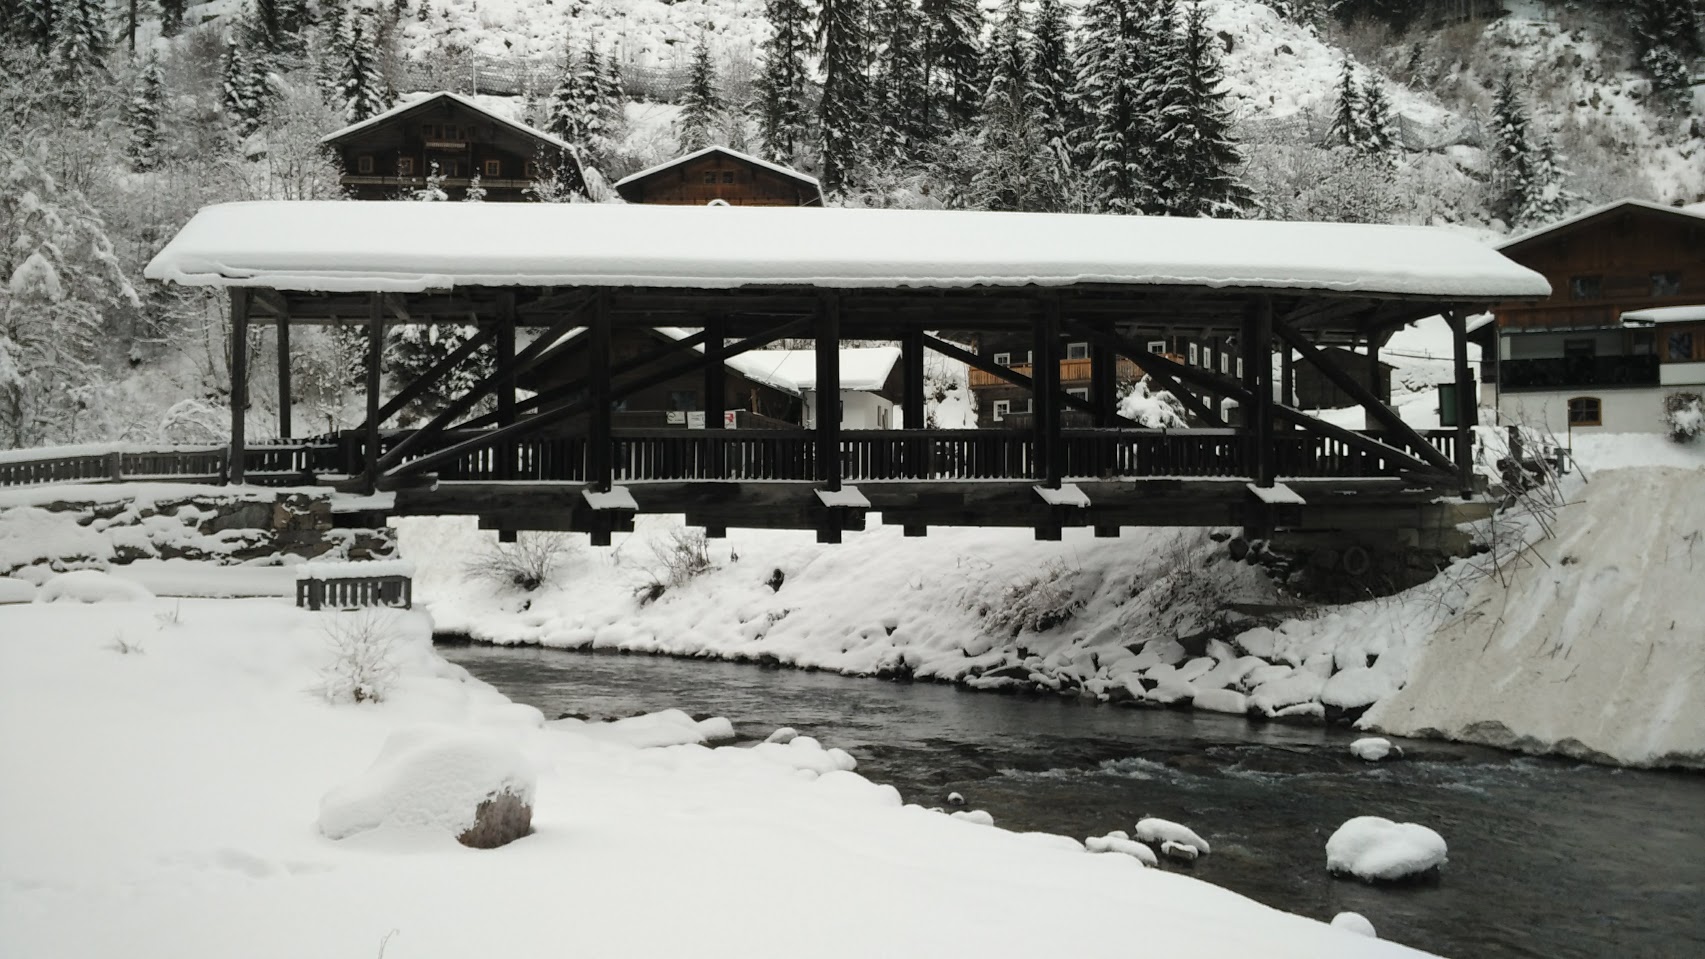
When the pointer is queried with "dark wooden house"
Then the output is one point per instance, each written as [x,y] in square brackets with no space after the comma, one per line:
[1575,359]
[390,156]
[720,174]
[1000,403]
[1316,391]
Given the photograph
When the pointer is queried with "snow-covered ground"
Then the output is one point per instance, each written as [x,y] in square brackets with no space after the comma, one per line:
[167,801]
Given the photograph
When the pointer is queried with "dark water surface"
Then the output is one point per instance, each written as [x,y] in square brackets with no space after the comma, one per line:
[1547,859]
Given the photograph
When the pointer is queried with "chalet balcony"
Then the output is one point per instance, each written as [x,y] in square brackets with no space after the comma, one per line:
[1567,372]
[1071,372]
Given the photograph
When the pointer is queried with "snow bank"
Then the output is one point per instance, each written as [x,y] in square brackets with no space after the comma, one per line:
[428,778]
[1590,647]
[1379,850]
[1160,831]
[186,785]
[669,727]
[16,590]
[91,586]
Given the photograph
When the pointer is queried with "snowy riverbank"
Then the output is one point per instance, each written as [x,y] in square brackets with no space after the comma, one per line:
[173,791]
[1164,616]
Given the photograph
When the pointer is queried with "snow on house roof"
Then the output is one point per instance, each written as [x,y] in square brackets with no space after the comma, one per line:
[1666,314]
[788,172]
[1697,211]
[863,368]
[468,102]
[377,246]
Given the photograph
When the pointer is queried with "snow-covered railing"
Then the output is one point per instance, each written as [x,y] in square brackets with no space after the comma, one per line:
[353,585]
[112,463]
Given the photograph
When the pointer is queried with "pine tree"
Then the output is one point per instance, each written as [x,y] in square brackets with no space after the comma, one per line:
[1379,130]
[274,27]
[172,16]
[566,109]
[1052,77]
[79,42]
[37,20]
[702,113]
[1201,158]
[1346,129]
[1113,141]
[433,190]
[1546,200]
[476,192]
[952,58]
[842,110]
[782,82]
[897,98]
[1512,158]
[143,150]
[1165,105]
[360,88]
[1014,167]
[610,97]
[245,92]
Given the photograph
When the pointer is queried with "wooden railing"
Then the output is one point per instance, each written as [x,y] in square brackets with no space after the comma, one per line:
[180,464]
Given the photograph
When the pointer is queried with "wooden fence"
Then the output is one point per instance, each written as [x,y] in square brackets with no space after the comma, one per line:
[353,592]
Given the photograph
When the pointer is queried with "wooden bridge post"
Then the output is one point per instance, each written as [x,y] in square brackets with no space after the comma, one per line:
[1467,403]
[1258,381]
[1376,383]
[1287,377]
[284,417]
[1104,383]
[826,343]
[1045,375]
[715,390]
[600,454]
[913,420]
[375,353]
[506,465]
[239,380]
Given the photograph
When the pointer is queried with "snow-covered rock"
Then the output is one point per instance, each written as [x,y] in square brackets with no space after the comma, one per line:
[807,754]
[1157,832]
[1378,850]
[91,586]
[1354,922]
[1118,842]
[783,735]
[668,727]
[473,785]
[1179,850]
[1222,701]
[1372,749]
[977,816]
[955,799]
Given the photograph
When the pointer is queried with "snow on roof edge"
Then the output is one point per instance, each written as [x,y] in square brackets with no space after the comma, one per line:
[402,108]
[1599,210]
[759,161]
[1689,313]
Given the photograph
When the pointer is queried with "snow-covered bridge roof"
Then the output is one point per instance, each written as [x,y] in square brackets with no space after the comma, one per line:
[347,246]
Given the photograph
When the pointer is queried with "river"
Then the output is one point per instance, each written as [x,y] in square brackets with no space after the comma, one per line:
[1548,859]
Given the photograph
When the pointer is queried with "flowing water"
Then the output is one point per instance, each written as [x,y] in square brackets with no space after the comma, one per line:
[1547,858]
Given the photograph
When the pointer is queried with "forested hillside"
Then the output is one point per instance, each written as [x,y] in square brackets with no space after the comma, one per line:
[120,121]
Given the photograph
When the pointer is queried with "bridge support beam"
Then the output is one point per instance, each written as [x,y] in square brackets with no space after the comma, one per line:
[506,465]
[600,461]
[1045,414]
[1467,403]
[913,413]
[375,353]
[239,381]
[826,342]
[284,417]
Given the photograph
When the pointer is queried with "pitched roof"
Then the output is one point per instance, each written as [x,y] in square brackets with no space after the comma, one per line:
[776,168]
[468,102]
[398,247]
[1695,212]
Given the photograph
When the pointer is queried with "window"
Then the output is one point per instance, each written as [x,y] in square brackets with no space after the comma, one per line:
[1002,407]
[1208,357]
[1077,351]
[1081,392]
[1240,366]
[364,164]
[1586,287]
[1666,284]
[494,168]
[1585,411]
[1225,362]
[683,400]
[1156,346]
[1195,355]
[728,176]
[1680,346]
[710,177]
[405,166]
[1003,359]
[429,131]
[531,170]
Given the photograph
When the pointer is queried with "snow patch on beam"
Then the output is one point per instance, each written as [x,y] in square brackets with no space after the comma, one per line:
[1277,495]
[1069,494]
[846,496]
[617,498]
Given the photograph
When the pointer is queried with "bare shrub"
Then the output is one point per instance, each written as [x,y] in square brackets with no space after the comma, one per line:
[363,666]
[126,647]
[1684,416]
[526,564]
[1038,602]
[676,561]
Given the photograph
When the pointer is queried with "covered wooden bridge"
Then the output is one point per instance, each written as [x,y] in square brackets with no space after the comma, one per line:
[1271,294]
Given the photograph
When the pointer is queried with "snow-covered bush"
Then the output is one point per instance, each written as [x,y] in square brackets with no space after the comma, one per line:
[1379,850]
[527,564]
[680,557]
[363,664]
[1038,602]
[1154,409]
[434,778]
[1684,416]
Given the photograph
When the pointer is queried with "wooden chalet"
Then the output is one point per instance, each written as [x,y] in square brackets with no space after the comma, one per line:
[1574,360]
[390,156]
[744,278]
[720,175]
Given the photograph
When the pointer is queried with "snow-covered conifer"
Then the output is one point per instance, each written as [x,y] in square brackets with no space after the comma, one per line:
[172,16]
[143,149]
[702,113]
[845,103]
[245,92]
[565,109]
[79,42]
[1379,128]
[476,192]
[952,60]
[36,20]
[1512,157]
[1015,168]
[1198,160]
[609,95]
[415,348]
[783,82]
[1347,114]
[899,125]
[1114,138]
[360,87]
[433,190]
[1545,199]
[1051,76]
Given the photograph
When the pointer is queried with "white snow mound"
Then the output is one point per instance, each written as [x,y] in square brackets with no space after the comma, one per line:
[1377,849]
[1117,842]
[1354,922]
[91,586]
[1372,749]
[428,777]
[1158,831]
